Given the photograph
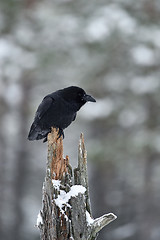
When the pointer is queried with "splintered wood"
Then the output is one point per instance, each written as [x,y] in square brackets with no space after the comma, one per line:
[66,211]
[57,165]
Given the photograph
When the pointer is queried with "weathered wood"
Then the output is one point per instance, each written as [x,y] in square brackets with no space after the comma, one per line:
[56,164]
[80,173]
[66,210]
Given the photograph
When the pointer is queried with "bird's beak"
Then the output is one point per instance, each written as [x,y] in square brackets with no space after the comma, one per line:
[89,98]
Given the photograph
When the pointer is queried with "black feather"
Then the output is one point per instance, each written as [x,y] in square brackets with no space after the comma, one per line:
[57,109]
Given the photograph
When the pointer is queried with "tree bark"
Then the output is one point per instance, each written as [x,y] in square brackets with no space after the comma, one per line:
[66,210]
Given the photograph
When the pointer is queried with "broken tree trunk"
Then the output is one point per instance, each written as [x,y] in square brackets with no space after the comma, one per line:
[66,211]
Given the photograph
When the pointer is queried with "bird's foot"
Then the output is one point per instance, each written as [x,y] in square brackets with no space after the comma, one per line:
[60,133]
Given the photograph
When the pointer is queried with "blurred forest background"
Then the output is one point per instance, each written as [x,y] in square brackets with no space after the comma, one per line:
[112,50]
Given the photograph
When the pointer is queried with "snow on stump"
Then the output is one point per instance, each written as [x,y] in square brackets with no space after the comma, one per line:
[66,210]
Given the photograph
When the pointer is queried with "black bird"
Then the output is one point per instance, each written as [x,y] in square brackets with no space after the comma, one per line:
[58,109]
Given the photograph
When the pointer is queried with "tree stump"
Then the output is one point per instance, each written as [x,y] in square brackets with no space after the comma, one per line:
[66,210]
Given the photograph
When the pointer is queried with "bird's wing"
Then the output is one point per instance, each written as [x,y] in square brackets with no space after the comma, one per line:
[43,107]
[35,130]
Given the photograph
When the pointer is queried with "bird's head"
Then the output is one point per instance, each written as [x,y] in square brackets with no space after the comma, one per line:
[77,95]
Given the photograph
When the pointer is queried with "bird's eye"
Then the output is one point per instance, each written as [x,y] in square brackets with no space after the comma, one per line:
[81,97]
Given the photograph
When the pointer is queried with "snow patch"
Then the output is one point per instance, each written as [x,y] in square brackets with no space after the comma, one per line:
[56,184]
[39,220]
[64,197]
[89,219]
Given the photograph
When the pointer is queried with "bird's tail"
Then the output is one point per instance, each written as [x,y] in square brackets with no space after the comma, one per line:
[36,134]
[33,133]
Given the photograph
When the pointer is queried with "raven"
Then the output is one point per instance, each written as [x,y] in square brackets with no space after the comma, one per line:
[58,110]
